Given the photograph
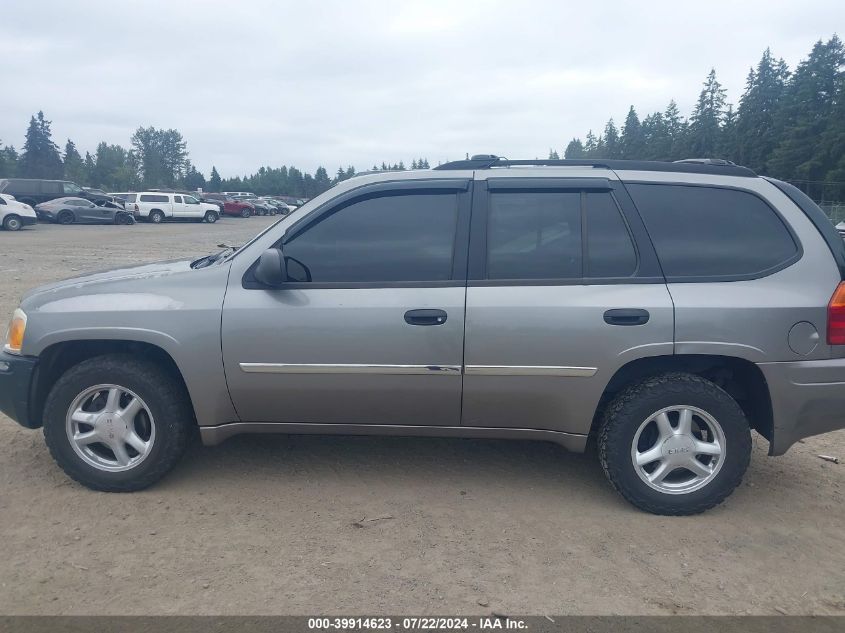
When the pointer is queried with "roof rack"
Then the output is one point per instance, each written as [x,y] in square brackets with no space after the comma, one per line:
[690,165]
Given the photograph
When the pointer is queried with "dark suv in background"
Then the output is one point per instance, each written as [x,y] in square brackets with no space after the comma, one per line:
[33,191]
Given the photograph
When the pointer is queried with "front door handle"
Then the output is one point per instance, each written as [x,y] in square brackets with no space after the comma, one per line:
[626,316]
[425,317]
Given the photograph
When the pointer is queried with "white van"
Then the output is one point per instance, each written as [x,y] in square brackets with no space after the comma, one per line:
[156,207]
[14,214]
[239,194]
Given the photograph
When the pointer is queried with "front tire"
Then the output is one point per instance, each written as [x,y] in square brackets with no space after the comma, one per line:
[117,424]
[12,223]
[245,213]
[675,444]
[211,217]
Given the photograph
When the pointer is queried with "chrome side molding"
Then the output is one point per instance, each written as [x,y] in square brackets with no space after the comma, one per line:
[529,370]
[350,368]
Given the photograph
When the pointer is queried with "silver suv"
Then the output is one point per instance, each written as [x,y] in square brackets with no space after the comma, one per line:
[659,310]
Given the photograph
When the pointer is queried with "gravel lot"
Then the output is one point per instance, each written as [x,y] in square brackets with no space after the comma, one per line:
[267,525]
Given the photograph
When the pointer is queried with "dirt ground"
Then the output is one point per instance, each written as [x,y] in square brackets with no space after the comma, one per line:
[267,525]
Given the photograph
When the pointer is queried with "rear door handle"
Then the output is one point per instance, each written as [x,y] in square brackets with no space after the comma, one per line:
[626,316]
[425,317]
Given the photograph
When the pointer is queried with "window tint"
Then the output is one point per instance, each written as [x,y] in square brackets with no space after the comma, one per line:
[383,239]
[23,186]
[177,199]
[153,198]
[611,251]
[708,231]
[69,187]
[129,197]
[52,186]
[534,236]
[191,200]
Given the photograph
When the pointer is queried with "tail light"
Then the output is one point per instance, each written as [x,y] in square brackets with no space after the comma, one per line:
[836,317]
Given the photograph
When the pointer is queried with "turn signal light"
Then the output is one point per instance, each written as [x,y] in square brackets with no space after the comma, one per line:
[836,317]
[14,336]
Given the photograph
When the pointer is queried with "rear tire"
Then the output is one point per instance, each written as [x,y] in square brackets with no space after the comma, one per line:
[643,447]
[12,223]
[65,217]
[166,415]
[156,217]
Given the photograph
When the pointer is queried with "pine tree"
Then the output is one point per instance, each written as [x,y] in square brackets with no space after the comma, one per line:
[575,149]
[590,145]
[706,120]
[8,162]
[214,181]
[612,148]
[632,142]
[676,127]
[74,166]
[553,155]
[756,130]
[40,157]
[656,137]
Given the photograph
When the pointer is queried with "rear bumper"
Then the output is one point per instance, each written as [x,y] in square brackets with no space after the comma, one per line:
[16,374]
[808,398]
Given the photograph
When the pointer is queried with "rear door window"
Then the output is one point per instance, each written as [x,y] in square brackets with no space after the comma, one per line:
[610,249]
[534,235]
[711,233]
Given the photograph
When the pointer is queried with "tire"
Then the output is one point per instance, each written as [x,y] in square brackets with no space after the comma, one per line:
[167,417]
[65,217]
[633,415]
[245,213]
[272,212]
[121,219]
[156,217]
[12,223]
[211,217]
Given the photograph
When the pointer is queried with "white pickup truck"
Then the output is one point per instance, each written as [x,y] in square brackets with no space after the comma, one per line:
[156,207]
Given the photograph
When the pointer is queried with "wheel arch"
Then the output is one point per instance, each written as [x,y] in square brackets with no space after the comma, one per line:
[740,378]
[58,357]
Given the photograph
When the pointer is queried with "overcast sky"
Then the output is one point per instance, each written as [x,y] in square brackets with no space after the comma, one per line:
[304,83]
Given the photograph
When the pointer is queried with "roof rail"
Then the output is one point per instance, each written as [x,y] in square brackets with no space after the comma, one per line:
[693,165]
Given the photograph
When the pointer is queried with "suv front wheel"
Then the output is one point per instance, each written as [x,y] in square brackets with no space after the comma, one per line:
[674,444]
[116,424]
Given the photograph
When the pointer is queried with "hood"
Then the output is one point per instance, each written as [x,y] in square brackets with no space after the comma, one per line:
[117,279]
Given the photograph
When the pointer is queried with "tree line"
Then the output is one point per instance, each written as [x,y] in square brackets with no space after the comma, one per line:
[155,159]
[788,124]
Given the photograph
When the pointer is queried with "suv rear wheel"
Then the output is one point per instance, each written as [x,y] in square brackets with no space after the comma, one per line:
[156,217]
[65,217]
[674,444]
[116,424]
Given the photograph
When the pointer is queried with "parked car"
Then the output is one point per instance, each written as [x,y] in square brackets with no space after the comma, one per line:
[279,206]
[239,194]
[261,206]
[157,206]
[841,228]
[231,206]
[15,215]
[33,191]
[662,310]
[72,210]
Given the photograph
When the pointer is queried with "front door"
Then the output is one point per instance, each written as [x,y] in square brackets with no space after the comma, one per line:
[370,327]
[564,290]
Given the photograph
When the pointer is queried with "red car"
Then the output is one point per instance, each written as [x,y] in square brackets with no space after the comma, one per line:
[232,206]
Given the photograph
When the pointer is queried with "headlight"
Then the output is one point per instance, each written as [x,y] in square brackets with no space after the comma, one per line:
[14,335]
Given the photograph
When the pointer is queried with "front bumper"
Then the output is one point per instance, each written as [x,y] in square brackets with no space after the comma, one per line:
[808,398]
[16,374]
[27,220]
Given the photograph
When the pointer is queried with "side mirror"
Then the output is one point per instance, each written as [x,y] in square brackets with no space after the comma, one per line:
[271,268]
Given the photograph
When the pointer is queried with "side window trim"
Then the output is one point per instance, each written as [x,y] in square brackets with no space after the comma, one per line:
[646,271]
[799,248]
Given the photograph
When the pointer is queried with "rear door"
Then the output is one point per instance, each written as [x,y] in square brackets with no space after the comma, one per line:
[564,289]
[370,327]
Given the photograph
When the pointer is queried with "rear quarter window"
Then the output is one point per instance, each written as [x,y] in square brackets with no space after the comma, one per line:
[713,233]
